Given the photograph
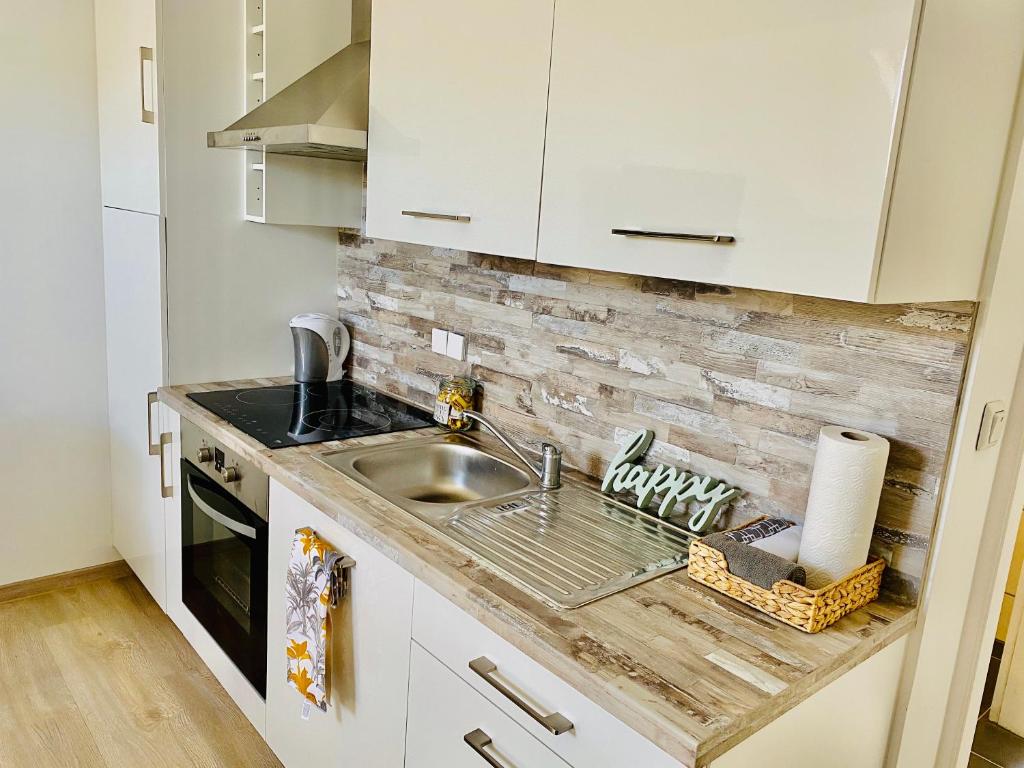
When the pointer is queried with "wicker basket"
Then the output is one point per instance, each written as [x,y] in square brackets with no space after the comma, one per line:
[808,609]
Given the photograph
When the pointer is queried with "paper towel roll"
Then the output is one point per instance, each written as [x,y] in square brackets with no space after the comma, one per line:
[846,482]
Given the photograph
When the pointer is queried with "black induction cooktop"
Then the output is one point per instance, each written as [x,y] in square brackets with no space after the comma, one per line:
[299,414]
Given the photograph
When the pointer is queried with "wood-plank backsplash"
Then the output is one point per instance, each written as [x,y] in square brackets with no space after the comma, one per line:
[735,383]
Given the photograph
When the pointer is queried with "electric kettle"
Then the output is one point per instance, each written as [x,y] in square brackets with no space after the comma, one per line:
[321,346]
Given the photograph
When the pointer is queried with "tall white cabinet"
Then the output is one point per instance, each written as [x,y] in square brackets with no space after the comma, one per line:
[133,279]
[458,94]
[131,255]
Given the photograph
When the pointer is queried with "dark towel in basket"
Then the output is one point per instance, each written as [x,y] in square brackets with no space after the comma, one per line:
[755,565]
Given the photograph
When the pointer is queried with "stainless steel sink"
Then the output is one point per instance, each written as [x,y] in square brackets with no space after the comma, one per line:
[433,476]
[570,546]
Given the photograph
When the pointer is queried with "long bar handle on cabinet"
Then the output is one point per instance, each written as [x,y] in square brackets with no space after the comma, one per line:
[154,448]
[556,723]
[146,84]
[715,239]
[166,491]
[477,741]
[440,216]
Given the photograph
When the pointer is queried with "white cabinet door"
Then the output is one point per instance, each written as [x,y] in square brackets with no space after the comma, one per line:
[768,122]
[458,95]
[368,660]
[127,91]
[453,726]
[131,257]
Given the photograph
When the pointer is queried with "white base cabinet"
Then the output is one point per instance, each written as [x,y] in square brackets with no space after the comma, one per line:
[453,726]
[368,661]
[596,740]
[131,266]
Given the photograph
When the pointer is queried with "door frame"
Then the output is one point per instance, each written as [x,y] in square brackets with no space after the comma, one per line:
[1011,658]
[948,651]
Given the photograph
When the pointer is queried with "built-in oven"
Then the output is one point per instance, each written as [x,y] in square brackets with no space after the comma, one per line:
[224,512]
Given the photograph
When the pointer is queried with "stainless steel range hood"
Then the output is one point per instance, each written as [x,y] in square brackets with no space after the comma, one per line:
[322,114]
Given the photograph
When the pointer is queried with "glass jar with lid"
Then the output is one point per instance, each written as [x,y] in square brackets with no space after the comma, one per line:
[455,394]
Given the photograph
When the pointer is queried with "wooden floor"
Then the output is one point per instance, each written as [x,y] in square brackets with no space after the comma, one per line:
[97,675]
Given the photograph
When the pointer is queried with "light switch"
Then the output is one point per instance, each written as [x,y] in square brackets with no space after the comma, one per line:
[456,346]
[439,341]
[993,423]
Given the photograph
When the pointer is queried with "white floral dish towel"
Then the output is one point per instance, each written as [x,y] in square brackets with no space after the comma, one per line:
[308,599]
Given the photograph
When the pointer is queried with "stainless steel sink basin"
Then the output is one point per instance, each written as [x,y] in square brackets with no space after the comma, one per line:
[432,476]
[570,546]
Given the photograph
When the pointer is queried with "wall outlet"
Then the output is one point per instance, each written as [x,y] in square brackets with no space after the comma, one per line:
[993,424]
[439,341]
[456,346]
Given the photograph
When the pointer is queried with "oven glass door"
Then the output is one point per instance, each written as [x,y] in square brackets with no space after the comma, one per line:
[224,571]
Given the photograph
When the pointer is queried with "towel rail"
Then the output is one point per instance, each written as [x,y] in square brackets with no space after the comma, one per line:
[340,584]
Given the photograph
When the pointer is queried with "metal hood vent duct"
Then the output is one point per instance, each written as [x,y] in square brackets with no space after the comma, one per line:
[322,114]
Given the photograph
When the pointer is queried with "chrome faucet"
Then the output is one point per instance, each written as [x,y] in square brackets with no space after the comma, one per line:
[549,472]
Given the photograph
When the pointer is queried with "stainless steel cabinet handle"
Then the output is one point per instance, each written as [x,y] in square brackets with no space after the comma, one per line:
[166,491]
[716,239]
[556,723]
[441,216]
[477,740]
[154,448]
[146,84]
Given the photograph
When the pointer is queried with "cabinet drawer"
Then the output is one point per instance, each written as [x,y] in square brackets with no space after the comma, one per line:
[452,726]
[596,739]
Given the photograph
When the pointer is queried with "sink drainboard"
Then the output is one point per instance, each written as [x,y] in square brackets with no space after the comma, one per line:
[572,546]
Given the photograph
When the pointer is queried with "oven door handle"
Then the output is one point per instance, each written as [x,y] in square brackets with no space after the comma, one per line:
[244,530]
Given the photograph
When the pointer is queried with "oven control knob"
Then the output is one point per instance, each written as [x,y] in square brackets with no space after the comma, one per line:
[230,475]
[204,454]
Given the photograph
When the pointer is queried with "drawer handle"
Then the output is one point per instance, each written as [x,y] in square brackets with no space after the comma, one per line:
[440,216]
[716,239]
[556,723]
[154,448]
[146,84]
[477,740]
[166,491]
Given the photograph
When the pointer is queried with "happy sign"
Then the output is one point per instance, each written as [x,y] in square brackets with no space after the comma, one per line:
[675,485]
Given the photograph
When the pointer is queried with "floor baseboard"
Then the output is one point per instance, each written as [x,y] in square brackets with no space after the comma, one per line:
[30,587]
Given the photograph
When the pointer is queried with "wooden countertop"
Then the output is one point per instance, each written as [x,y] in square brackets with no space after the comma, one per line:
[641,654]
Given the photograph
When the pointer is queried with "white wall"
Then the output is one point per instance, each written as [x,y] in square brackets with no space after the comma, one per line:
[54,447]
[232,285]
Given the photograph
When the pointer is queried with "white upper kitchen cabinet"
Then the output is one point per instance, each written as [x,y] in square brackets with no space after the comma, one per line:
[132,271]
[458,94]
[127,92]
[831,148]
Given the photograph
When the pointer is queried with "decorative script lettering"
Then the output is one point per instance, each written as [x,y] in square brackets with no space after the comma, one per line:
[675,486]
